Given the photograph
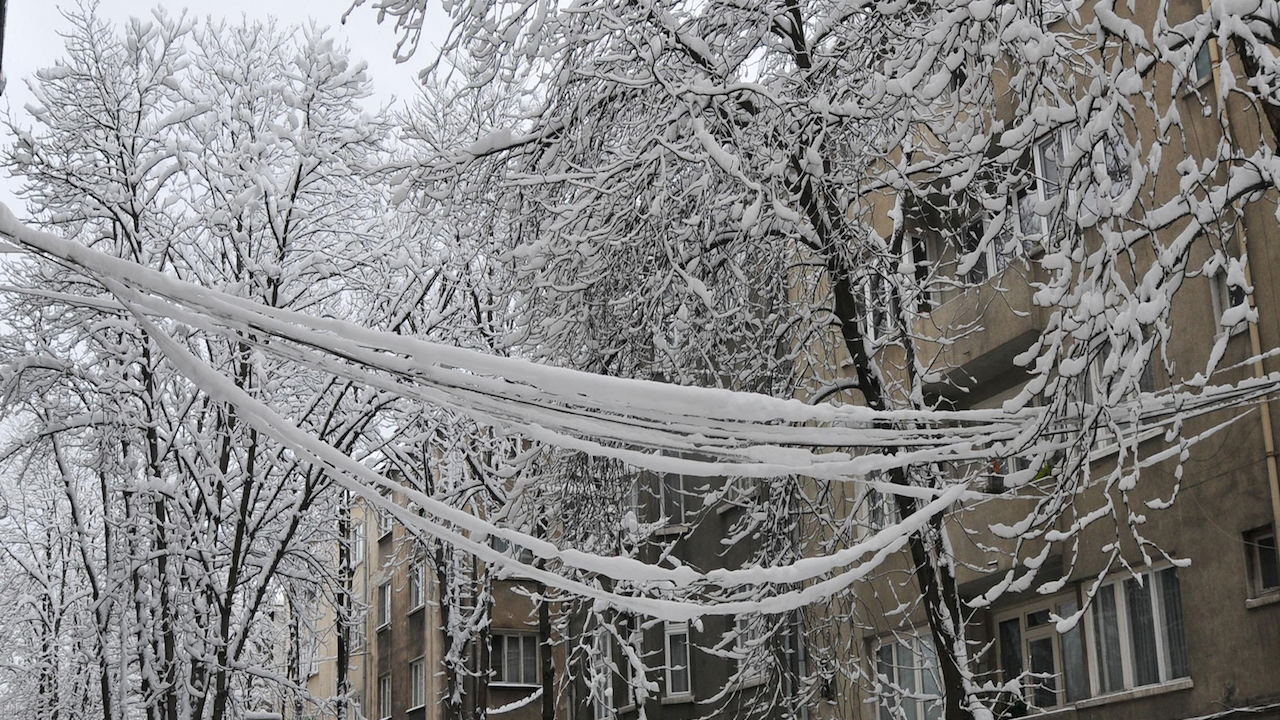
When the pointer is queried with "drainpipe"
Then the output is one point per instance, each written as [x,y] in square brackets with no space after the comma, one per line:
[1268,436]
[1255,340]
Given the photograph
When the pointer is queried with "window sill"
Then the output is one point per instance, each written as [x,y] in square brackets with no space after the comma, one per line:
[728,505]
[416,608]
[750,683]
[625,709]
[383,535]
[1136,693]
[384,626]
[416,707]
[515,686]
[1271,597]
[677,699]
[669,530]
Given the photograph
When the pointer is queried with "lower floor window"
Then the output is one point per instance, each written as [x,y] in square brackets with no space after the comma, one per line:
[600,678]
[907,679]
[1049,665]
[384,696]
[514,659]
[1138,624]
[418,673]
[677,650]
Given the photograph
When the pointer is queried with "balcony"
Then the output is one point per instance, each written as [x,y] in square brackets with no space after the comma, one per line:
[972,337]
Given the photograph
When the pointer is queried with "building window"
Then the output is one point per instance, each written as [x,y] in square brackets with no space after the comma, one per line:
[1138,632]
[907,679]
[1226,297]
[970,244]
[355,706]
[749,645]
[1202,69]
[384,605]
[922,268]
[676,645]
[1050,665]
[678,504]
[514,659]
[357,541]
[385,521]
[882,508]
[1264,573]
[1052,173]
[384,696]
[600,678]
[880,300]
[418,676]
[417,586]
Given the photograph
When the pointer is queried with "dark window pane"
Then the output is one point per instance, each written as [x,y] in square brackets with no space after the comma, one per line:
[1175,637]
[1011,649]
[679,664]
[530,659]
[672,498]
[495,659]
[513,660]
[1072,645]
[1110,673]
[884,667]
[1203,63]
[1142,631]
[1042,665]
[1268,572]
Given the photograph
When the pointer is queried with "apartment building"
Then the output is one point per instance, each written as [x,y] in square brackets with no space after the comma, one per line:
[403,601]
[1161,638]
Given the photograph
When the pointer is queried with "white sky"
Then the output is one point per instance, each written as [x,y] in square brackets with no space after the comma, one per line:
[31,41]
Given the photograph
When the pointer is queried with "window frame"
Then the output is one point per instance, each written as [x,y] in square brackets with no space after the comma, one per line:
[925,707]
[417,586]
[751,636]
[498,665]
[683,496]
[1220,292]
[358,549]
[1093,646]
[385,521]
[881,505]
[1028,635]
[418,683]
[670,630]
[1253,553]
[600,675]
[384,696]
[384,605]
[1195,80]
[1065,138]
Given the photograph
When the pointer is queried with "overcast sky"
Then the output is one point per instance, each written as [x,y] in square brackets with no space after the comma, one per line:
[31,41]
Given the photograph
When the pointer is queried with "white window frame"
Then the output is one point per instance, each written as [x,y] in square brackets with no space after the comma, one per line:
[1029,635]
[1064,138]
[885,504]
[683,496]
[384,696]
[500,673]
[669,631]
[355,706]
[1254,549]
[1194,78]
[417,586]
[384,605]
[1128,670]
[385,521]
[418,683]
[925,707]
[752,634]
[1220,292]
[357,541]
[600,678]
